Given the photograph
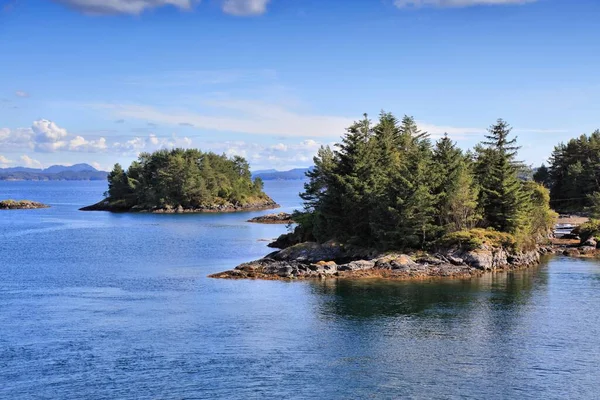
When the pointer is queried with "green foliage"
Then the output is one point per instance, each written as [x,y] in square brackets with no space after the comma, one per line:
[590,229]
[186,178]
[501,198]
[573,173]
[537,219]
[476,238]
[386,186]
[593,207]
[542,176]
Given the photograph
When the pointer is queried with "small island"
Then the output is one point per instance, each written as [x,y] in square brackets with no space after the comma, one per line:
[21,205]
[278,218]
[183,181]
[389,203]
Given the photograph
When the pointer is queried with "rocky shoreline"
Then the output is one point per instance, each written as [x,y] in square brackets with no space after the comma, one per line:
[278,218]
[21,205]
[106,205]
[333,260]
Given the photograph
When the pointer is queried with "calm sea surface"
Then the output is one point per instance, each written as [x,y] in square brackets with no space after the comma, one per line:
[118,306]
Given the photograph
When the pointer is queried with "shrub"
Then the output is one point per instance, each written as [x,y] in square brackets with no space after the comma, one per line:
[476,238]
[588,230]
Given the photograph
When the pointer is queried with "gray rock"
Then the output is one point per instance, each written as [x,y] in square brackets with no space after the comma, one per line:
[394,261]
[590,242]
[357,265]
[285,272]
[311,252]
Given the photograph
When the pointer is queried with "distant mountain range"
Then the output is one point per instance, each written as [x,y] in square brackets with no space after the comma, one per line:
[274,175]
[77,172]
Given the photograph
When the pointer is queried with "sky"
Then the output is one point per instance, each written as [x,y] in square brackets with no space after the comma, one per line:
[100,81]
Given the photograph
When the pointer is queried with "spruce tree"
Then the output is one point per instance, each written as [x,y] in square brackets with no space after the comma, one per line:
[501,199]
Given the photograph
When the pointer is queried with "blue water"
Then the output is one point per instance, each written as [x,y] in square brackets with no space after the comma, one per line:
[96,305]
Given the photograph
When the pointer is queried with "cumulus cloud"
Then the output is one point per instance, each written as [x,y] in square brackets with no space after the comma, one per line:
[12,139]
[79,143]
[244,8]
[137,145]
[20,93]
[30,162]
[49,137]
[111,7]
[456,3]
[282,156]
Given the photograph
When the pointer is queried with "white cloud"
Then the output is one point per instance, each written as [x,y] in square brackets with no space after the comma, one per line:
[256,117]
[244,116]
[30,162]
[151,143]
[20,93]
[134,7]
[244,8]
[48,137]
[79,143]
[456,3]
[13,139]
[281,156]
[4,162]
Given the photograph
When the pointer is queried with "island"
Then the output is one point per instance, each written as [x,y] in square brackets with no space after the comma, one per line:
[278,218]
[21,205]
[183,181]
[389,203]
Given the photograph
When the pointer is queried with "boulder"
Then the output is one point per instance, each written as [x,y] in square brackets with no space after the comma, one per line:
[571,252]
[357,265]
[394,261]
[587,249]
[311,252]
[591,242]
[324,267]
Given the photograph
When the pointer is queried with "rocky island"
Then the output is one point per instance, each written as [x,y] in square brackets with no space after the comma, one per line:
[183,181]
[21,205]
[389,204]
[278,218]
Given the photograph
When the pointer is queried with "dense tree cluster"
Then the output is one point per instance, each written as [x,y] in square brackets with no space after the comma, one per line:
[187,178]
[573,175]
[386,185]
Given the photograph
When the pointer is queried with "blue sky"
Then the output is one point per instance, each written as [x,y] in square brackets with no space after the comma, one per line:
[99,81]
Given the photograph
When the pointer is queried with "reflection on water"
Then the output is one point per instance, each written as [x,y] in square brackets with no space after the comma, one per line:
[383,298]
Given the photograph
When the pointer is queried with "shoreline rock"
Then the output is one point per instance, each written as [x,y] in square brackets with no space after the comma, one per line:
[21,205]
[276,218]
[333,260]
[105,205]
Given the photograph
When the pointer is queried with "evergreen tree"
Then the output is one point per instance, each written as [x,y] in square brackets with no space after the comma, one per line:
[118,184]
[542,176]
[502,199]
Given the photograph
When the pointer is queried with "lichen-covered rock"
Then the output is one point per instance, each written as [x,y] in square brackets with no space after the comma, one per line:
[357,265]
[394,261]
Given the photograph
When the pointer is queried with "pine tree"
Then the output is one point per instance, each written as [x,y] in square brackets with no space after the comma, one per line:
[501,199]
[542,176]
[118,184]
